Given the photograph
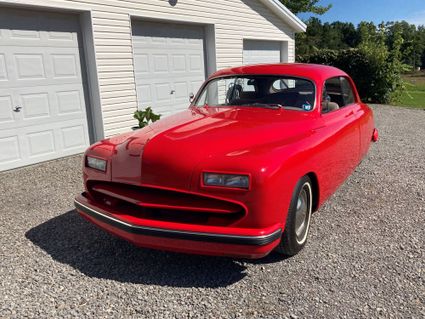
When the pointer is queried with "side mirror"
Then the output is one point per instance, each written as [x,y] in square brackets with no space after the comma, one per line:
[191,97]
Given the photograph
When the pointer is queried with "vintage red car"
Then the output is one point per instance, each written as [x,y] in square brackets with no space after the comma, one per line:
[239,172]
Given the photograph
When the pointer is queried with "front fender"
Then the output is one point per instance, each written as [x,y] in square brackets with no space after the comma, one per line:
[274,175]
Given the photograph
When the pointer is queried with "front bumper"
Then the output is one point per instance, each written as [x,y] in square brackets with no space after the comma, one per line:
[223,241]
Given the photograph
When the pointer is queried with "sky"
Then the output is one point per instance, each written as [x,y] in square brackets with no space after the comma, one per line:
[377,11]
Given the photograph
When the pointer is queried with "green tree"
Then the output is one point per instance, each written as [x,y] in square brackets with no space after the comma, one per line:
[299,6]
[367,33]
[421,36]
[333,36]
[311,40]
[348,34]
[375,67]
[412,47]
[339,35]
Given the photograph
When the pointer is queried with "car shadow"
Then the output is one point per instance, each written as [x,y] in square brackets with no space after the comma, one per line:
[71,240]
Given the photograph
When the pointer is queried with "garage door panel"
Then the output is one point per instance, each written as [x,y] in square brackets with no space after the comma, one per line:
[169,59]
[29,66]
[65,65]
[47,143]
[257,52]
[144,92]
[40,72]
[162,91]
[34,83]
[70,102]
[196,63]
[41,143]
[178,62]
[48,101]
[61,36]
[195,86]
[73,137]
[10,149]
[164,44]
[35,106]
[3,70]
[159,63]
[155,31]
[141,64]
[24,34]
[182,90]
[6,106]
[41,67]
[30,25]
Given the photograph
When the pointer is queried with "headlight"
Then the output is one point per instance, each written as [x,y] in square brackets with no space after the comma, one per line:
[96,163]
[226,180]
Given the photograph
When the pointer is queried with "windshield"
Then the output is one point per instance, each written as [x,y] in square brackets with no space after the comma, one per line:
[259,91]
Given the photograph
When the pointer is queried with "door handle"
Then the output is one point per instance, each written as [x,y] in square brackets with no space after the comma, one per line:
[350,114]
[318,128]
[17,109]
[172,92]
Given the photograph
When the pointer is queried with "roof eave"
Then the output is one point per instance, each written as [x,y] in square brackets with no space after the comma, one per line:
[286,15]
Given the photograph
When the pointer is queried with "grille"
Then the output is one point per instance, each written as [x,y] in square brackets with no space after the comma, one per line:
[165,205]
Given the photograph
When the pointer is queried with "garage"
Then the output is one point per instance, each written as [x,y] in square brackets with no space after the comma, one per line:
[169,64]
[257,52]
[42,87]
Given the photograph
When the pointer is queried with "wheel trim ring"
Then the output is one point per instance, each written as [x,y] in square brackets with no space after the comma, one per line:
[307,186]
[301,213]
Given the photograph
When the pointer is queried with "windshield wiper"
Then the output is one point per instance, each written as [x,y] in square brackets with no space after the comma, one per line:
[265,105]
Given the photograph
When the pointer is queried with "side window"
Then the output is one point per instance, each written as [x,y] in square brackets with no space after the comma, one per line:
[347,91]
[332,95]
[282,84]
[202,101]
[248,85]
[337,93]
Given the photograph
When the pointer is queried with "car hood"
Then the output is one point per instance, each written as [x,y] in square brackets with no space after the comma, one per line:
[217,130]
[169,151]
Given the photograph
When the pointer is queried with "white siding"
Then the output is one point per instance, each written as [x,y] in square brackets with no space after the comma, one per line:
[234,20]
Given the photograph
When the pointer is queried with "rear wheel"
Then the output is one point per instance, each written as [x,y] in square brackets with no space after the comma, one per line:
[298,220]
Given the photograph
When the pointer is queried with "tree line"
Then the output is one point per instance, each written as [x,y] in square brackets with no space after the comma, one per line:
[375,56]
[344,35]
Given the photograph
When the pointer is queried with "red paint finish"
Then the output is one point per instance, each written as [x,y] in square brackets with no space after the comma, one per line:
[154,175]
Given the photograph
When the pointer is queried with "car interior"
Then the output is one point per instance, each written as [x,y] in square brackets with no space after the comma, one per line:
[337,93]
[288,92]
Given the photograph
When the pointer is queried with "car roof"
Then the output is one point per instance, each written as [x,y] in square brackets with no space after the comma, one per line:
[315,72]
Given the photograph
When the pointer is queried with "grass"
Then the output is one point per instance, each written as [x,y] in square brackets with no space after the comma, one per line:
[414,96]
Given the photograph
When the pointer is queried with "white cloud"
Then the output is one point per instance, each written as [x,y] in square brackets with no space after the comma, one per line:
[417,18]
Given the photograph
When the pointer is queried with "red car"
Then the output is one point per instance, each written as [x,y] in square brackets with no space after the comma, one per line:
[239,172]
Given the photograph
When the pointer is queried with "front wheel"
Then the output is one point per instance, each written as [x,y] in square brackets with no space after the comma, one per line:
[298,220]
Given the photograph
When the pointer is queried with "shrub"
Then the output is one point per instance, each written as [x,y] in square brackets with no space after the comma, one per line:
[376,72]
[146,116]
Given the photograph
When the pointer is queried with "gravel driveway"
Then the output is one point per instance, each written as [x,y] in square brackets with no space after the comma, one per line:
[365,257]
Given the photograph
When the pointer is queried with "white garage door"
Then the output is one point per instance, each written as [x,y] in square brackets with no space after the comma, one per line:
[169,62]
[257,52]
[42,104]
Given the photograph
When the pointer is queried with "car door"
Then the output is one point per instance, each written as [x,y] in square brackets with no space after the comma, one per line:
[341,142]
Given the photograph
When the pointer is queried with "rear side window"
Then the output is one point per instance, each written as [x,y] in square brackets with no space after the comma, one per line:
[337,93]
[347,91]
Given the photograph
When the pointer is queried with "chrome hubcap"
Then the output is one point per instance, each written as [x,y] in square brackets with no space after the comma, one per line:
[302,214]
